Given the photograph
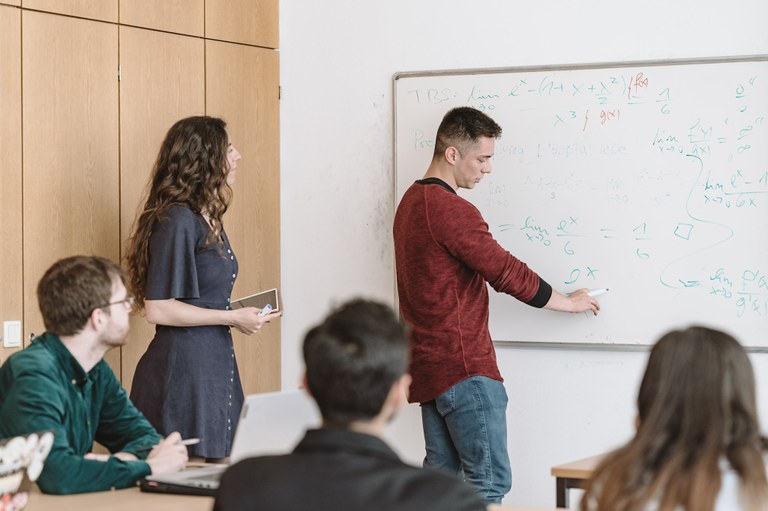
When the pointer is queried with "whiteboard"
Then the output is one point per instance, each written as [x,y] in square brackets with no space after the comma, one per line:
[648,178]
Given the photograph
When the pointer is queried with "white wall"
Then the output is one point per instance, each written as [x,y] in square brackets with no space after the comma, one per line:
[337,62]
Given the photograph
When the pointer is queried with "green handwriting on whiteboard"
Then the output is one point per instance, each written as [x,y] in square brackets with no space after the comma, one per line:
[650,179]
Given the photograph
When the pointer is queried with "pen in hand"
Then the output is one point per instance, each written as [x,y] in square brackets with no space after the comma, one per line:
[186,441]
[593,292]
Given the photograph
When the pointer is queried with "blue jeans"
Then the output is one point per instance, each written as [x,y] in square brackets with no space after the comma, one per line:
[465,431]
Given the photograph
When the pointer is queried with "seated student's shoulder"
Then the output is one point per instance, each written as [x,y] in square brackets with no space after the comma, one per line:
[318,482]
[249,479]
[30,378]
[34,360]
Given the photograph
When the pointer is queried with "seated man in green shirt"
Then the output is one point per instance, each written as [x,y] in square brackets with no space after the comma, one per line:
[62,383]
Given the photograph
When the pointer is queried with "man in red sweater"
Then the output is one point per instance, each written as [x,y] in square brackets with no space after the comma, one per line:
[444,256]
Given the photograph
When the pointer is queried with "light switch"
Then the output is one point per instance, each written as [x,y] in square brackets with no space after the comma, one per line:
[11,334]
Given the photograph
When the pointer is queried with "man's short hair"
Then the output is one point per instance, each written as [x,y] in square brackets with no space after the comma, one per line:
[72,288]
[353,358]
[462,127]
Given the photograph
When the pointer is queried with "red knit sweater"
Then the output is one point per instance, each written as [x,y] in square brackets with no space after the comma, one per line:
[444,255]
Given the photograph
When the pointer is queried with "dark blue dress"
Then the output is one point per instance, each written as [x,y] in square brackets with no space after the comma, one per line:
[187,380]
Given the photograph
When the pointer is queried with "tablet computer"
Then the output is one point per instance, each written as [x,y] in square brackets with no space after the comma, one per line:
[258,300]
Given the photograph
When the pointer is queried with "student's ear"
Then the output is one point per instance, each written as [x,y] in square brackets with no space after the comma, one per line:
[305,385]
[96,319]
[406,380]
[400,390]
[451,154]
[397,396]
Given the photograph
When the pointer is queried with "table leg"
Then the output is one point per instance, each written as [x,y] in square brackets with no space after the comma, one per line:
[561,492]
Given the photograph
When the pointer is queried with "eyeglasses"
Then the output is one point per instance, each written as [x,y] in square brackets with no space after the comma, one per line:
[127,303]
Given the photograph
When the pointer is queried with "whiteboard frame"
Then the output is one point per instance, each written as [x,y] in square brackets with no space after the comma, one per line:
[761,57]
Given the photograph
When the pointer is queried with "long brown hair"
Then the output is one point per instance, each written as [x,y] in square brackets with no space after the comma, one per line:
[696,407]
[191,171]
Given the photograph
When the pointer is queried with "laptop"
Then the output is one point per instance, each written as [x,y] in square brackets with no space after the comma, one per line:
[21,461]
[270,423]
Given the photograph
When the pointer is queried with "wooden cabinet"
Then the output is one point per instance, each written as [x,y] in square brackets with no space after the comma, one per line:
[104,10]
[70,112]
[10,168]
[242,86]
[251,22]
[162,81]
[179,16]
[86,101]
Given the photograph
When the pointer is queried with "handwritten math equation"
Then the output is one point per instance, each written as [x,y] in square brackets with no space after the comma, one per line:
[655,176]
[583,101]
[745,290]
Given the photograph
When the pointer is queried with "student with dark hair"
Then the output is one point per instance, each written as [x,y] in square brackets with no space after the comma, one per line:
[356,364]
[62,383]
[445,255]
[698,445]
[182,269]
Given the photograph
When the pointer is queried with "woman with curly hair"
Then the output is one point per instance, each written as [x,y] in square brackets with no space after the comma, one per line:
[182,270]
[698,445]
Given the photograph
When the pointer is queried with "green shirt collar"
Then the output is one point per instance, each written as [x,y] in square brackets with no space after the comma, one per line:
[72,368]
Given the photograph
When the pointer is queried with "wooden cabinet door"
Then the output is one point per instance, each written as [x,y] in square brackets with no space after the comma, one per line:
[242,86]
[179,16]
[104,10]
[10,168]
[252,22]
[163,80]
[70,147]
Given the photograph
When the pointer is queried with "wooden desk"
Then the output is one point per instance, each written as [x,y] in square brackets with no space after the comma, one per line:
[572,475]
[131,499]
